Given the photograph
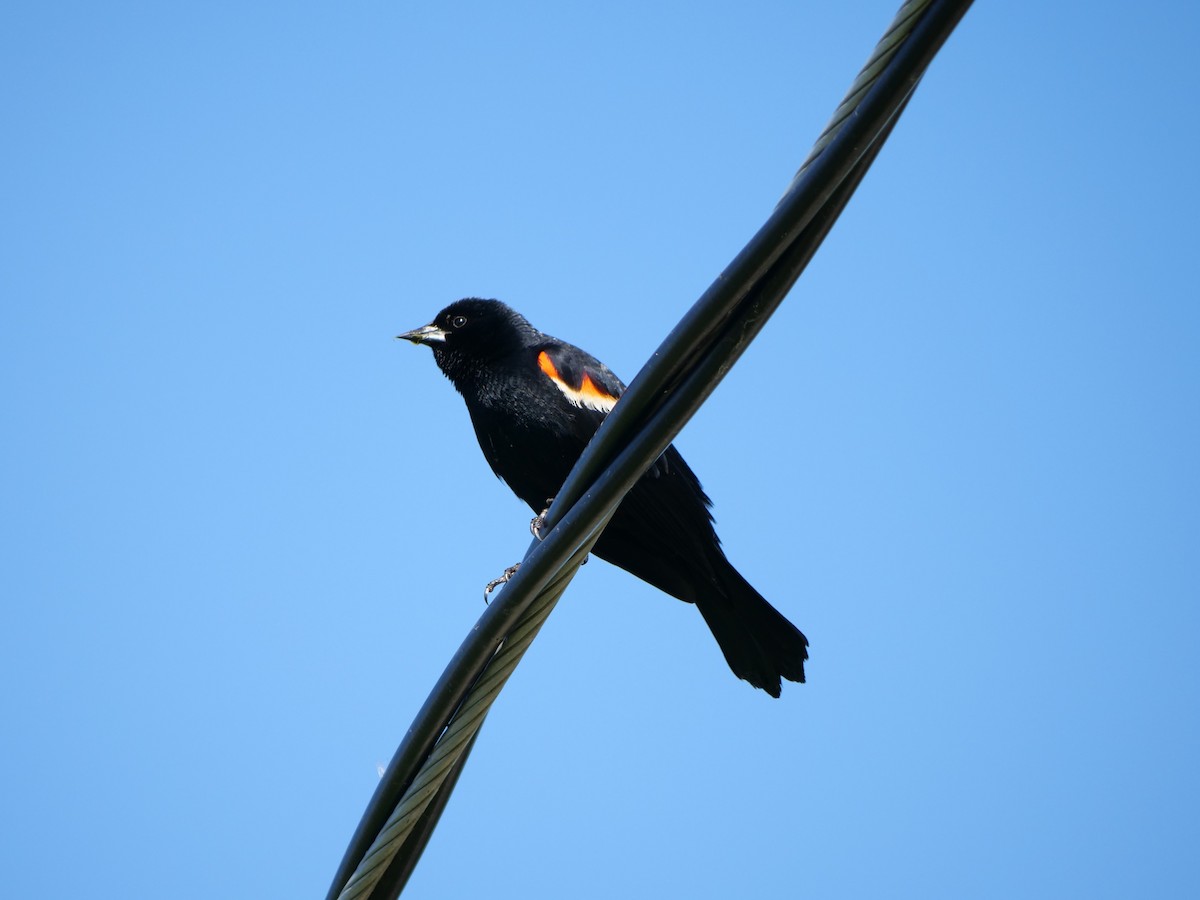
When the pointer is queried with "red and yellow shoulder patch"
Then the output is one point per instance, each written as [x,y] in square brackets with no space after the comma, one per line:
[546,364]
[586,394]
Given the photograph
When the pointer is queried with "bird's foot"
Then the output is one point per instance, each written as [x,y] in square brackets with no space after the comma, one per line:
[539,521]
[503,579]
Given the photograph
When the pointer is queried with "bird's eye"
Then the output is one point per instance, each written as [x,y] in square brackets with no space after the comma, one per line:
[458,321]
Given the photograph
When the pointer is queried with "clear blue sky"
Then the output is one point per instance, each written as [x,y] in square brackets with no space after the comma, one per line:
[244,529]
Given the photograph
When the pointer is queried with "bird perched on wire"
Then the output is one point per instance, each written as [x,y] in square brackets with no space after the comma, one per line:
[535,402]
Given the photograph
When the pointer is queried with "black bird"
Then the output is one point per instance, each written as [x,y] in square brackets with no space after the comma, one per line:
[535,402]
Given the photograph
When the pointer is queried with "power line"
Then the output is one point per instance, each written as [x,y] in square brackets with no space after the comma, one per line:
[672,385]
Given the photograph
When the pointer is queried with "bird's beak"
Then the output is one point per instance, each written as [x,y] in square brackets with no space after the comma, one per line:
[426,334]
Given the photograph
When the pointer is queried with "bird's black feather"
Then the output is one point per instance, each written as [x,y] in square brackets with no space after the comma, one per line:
[535,402]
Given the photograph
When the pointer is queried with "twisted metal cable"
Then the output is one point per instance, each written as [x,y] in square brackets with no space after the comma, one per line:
[902,26]
[878,93]
[459,733]
[672,385]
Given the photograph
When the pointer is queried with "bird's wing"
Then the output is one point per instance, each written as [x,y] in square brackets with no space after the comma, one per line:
[585,381]
[594,389]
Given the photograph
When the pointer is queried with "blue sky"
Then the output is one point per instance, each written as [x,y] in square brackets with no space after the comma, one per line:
[244,530]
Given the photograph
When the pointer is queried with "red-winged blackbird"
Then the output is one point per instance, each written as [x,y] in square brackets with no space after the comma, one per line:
[535,402]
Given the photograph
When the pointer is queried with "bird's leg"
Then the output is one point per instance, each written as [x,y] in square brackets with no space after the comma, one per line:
[503,579]
[539,521]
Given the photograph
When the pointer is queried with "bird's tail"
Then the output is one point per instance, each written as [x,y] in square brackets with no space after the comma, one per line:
[759,643]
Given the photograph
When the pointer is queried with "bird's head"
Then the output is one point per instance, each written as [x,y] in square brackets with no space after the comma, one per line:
[469,332]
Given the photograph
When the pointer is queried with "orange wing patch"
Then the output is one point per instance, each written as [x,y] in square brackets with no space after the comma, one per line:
[546,364]
[588,393]
[595,394]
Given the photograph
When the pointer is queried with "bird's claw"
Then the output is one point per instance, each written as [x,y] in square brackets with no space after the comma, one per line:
[539,521]
[503,579]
